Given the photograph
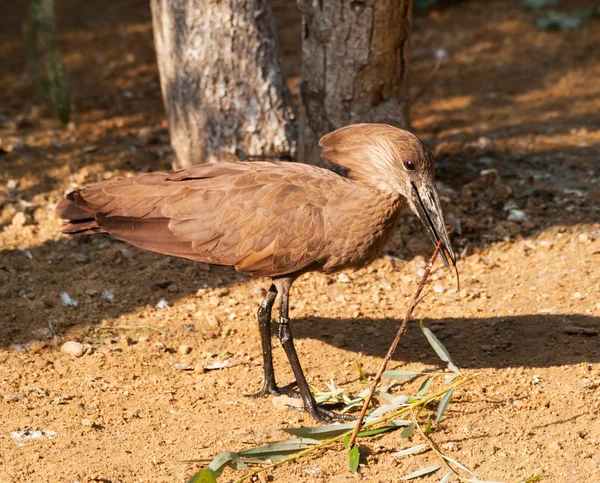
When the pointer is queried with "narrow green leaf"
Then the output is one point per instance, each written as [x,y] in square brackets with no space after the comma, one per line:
[384,395]
[386,408]
[424,387]
[446,478]
[428,426]
[321,432]
[421,472]
[204,476]
[353,458]
[227,458]
[460,465]
[449,379]
[439,348]
[411,450]
[443,405]
[399,375]
[326,396]
[373,432]
[361,373]
[324,432]
[279,448]
[350,404]
[401,422]
[408,431]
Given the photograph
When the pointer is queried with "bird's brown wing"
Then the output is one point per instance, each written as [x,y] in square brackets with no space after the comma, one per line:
[263,218]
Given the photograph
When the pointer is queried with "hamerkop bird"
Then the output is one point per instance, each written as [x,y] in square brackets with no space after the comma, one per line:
[274,219]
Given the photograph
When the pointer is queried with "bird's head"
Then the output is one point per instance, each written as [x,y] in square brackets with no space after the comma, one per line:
[395,161]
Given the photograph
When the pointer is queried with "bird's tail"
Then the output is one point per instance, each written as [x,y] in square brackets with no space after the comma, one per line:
[80,218]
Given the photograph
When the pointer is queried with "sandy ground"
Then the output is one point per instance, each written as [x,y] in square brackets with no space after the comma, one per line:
[513,118]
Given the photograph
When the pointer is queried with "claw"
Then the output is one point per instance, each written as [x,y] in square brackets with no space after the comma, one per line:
[322,415]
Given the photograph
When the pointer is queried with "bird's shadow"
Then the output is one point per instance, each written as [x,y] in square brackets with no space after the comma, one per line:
[496,342]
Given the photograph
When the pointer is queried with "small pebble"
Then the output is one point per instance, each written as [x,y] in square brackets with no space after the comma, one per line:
[184,367]
[163,304]
[184,349]
[73,348]
[342,277]
[517,215]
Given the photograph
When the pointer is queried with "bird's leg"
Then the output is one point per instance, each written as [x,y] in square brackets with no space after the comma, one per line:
[285,337]
[264,324]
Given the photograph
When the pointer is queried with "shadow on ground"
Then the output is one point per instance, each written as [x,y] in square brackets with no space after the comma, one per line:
[498,342]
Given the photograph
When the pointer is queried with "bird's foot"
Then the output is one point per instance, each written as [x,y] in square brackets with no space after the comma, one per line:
[274,390]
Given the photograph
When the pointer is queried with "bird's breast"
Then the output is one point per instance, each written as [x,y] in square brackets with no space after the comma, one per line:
[360,234]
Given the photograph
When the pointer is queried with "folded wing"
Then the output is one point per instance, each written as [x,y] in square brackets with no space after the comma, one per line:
[262,218]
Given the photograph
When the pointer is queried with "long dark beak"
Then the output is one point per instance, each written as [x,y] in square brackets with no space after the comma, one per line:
[428,208]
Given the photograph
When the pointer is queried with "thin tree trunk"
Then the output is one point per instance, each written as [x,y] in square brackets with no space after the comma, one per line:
[355,58]
[221,79]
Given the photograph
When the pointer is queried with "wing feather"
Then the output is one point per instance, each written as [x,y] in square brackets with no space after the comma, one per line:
[266,218]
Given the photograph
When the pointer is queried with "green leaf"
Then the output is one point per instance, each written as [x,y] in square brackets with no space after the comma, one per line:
[384,395]
[567,21]
[401,422]
[449,379]
[439,348]
[536,4]
[443,405]
[399,375]
[386,408]
[428,426]
[361,373]
[446,478]
[326,396]
[408,431]
[227,458]
[204,476]
[421,472]
[324,432]
[460,465]
[411,450]
[353,458]
[373,432]
[280,448]
[424,387]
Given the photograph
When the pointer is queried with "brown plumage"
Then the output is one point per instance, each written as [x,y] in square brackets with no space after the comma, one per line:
[273,219]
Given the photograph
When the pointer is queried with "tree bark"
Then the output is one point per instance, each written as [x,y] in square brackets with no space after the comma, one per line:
[221,80]
[355,58]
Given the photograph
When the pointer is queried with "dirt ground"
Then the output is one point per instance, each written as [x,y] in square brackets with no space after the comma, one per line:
[514,120]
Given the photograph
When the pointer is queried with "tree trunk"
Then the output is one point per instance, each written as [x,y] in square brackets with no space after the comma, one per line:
[355,58]
[221,79]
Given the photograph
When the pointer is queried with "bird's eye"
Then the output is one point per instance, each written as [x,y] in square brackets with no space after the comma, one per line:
[410,165]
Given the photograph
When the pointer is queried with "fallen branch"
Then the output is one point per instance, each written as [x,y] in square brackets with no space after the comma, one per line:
[401,331]
[388,417]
